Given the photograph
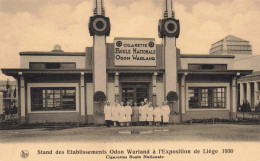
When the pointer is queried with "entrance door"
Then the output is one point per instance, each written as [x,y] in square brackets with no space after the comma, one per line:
[134,92]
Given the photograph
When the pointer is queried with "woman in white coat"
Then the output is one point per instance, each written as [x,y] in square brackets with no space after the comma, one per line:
[115,112]
[122,114]
[157,112]
[108,114]
[129,112]
[165,113]
[142,114]
[149,114]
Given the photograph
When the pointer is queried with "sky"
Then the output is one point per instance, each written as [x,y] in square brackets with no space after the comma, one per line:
[37,25]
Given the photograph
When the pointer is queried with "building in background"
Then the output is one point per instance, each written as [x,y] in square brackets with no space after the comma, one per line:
[232,45]
[59,86]
[248,86]
[8,95]
[249,89]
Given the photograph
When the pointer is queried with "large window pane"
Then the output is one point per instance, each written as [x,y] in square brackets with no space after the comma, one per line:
[53,99]
[206,97]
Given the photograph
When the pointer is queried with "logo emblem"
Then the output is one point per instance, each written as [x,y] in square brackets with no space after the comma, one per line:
[24,154]
[119,43]
[151,44]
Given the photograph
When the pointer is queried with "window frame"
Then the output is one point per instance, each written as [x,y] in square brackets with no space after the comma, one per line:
[208,97]
[209,84]
[211,67]
[45,64]
[53,98]
[55,85]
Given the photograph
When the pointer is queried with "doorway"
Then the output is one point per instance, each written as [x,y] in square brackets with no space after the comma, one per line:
[135,92]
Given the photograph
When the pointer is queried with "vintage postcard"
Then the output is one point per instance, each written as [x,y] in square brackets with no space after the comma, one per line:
[101,80]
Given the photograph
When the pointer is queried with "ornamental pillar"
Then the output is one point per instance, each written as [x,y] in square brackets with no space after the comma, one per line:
[154,89]
[22,98]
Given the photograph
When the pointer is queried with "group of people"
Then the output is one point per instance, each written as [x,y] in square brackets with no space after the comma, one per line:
[145,114]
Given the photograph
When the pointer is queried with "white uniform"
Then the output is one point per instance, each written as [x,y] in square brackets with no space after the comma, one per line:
[128,113]
[149,114]
[108,113]
[165,113]
[122,114]
[115,112]
[157,114]
[142,112]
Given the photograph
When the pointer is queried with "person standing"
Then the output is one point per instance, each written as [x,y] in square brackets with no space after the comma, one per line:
[122,114]
[115,112]
[149,114]
[157,112]
[142,114]
[108,114]
[135,116]
[129,111]
[146,104]
[165,113]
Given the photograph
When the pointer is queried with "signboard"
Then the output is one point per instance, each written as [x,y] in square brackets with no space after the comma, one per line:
[135,52]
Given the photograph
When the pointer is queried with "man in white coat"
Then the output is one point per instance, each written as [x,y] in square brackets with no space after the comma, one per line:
[157,112]
[165,113]
[122,114]
[115,112]
[142,114]
[108,114]
[149,114]
[129,113]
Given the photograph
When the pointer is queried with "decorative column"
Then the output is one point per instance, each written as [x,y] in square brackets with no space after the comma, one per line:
[154,89]
[256,92]
[22,86]
[183,96]
[233,109]
[170,64]
[100,79]
[242,93]
[82,98]
[117,86]
[248,93]
[99,28]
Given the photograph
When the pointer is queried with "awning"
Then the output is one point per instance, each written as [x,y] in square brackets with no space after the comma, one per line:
[16,72]
[227,72]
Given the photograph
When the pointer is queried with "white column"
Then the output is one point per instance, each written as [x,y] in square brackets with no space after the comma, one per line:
[256,92]
[23,110]
[183,94]
[82,95]
[1,103]
[248,92]
[170,64]
[117,86]
[100,76]
[242,92]
[234,95]
[154,89]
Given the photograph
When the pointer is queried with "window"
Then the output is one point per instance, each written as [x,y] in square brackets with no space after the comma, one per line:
[214,67]
[53,99]
[52,66]
[134,93]
[212,97]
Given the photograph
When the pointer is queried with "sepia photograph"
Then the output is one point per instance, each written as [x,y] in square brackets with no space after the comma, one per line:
[129,80]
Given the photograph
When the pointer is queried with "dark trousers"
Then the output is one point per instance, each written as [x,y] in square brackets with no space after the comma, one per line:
[108,123]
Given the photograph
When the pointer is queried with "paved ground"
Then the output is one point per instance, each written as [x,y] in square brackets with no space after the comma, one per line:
[195,132]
